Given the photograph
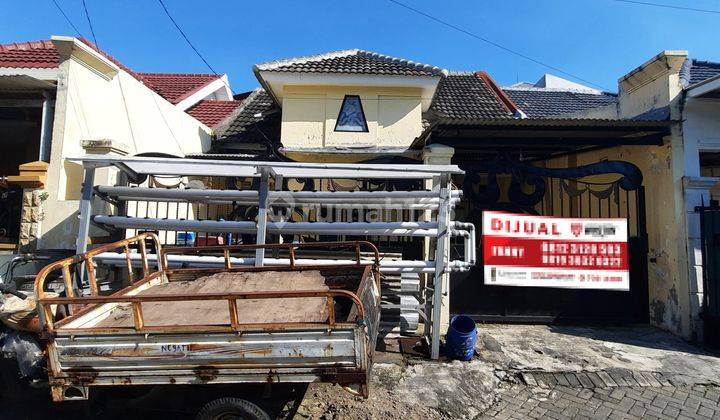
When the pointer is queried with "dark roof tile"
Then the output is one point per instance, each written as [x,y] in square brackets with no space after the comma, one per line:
[543,103]
[352,62]
[466,96]
[258,109]
[703,70]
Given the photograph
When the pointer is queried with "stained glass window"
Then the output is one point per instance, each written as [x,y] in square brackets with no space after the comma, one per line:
[351,116]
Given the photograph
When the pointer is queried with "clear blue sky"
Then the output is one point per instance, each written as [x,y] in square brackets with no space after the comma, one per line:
[598,40]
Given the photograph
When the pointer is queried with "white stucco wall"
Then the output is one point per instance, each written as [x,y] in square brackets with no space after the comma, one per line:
[309,114]
[91,105]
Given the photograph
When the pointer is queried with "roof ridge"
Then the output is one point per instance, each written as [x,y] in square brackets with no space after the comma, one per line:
[567,90]
[27,45]
[268,65]
[405,61]
[462,72]
[146,73]
[271,65]
[705,62]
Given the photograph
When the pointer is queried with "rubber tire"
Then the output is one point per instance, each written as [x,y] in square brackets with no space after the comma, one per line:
[242,408]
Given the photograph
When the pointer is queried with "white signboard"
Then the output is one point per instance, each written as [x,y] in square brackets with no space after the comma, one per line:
[540,251]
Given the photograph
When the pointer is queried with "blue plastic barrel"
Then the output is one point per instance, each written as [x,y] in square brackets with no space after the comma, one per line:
[461,338]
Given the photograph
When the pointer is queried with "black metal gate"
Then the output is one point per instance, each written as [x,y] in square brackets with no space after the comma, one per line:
[710,238]
[614,192]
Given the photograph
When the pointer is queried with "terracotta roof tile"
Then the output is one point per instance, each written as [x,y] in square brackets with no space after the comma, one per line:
[42,54]
[176,86]
[212,113]
[32,54]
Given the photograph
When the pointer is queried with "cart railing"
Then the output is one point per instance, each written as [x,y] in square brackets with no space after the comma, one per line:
[87,259]
[231,298]
[46,303]
[290,247]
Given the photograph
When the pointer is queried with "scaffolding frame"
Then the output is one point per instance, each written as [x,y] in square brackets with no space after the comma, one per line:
[440,200]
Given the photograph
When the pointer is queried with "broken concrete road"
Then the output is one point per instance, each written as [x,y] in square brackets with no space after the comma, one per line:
[537,371]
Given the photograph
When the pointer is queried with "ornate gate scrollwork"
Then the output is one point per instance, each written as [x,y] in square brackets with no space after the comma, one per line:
[524,174]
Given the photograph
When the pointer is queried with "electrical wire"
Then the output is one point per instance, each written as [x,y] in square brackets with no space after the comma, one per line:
[493,43]
[186,37]
[177,26]
[669,6]
[92,31]
[67,19]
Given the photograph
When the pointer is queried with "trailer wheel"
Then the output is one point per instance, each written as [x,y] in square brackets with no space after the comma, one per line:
[231,409]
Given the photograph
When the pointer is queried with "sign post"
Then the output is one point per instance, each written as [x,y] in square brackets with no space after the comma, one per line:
[539,251]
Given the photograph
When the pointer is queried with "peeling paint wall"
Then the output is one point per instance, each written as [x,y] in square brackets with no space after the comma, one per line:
[668,307]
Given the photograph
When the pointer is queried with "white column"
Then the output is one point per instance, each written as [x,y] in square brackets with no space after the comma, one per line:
[438,154]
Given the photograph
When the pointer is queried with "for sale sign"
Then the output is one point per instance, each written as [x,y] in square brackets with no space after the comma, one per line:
[537,251]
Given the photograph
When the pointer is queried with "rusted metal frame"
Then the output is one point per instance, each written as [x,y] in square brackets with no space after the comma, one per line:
[128,261]
[231,248]
[137,301]
[143,258]
[201,329]
[120,292]
[42,275]
[92,279]
[65,265]
[138,315]
[226,254]
[253,269]
[331,310]
[69,286]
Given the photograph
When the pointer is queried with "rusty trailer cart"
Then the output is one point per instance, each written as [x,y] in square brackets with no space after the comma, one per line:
[230,325]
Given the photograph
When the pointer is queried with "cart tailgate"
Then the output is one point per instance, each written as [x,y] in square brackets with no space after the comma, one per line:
[311,348]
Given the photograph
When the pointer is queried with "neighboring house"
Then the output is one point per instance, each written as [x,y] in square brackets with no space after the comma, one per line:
[687,92]
[679,174]
[62,97]
[555,97]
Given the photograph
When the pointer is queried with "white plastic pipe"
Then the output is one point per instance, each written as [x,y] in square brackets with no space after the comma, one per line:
[207,261]
[419,229]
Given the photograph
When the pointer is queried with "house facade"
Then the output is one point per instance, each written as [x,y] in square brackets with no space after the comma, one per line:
[361,106]
[685,91]
[63,97]
[553,147]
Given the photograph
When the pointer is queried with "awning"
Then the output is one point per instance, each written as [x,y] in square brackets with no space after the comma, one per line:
[24,83]
[545,137]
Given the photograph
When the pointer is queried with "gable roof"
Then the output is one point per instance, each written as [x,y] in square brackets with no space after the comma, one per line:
[212,113]
[468,96]
[173,87]
[176,86]
[542,103]
[258,108]
[29,55]
[352,61]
